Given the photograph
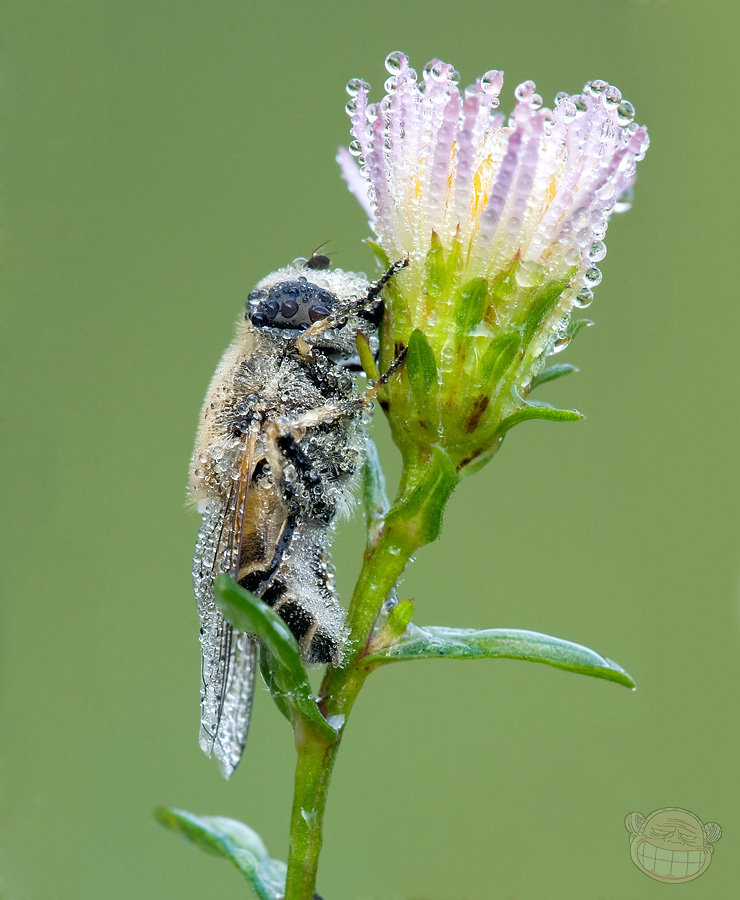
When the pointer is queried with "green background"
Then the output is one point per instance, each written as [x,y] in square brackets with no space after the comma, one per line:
[158,159]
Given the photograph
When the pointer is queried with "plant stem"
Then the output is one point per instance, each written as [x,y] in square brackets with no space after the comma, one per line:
[414,520]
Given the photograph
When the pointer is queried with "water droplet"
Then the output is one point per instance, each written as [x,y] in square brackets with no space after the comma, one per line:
[560,344]
[353,86]
[597,251]
[596,87]
[593,276]
[454,77]
[434,69]
[607,131]
[351,107]
[624,201]
[612,96]
[536,101]
[559,97]
[491,81]
[569,109]
[391,83]
[625,113]
[394,61]
[371,112]
[580,104]
[584,298]
[524,90]
[355,148]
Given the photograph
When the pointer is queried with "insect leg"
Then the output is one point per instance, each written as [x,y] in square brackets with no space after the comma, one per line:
[305,341]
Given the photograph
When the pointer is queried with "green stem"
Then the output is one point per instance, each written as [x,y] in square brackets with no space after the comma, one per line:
[414,520]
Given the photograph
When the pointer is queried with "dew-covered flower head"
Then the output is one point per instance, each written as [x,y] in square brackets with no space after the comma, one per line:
[513,208]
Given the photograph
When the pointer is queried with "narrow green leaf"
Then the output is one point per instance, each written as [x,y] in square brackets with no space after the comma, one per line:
[289,683]
[496,360]
[366,357]
[379,253]
[500,643]
[420,512]
[537,412]
[551,373]
[436,269]
[541,307]
[575,325]
[234,841]
[470,304]
[421,369]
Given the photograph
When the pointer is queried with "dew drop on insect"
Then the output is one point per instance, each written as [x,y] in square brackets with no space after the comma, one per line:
[625,113]
[394,61]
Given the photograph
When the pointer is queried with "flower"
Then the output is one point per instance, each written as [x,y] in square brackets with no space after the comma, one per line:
[503,221]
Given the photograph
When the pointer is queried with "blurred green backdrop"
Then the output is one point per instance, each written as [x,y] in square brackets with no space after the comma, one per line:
[161,157]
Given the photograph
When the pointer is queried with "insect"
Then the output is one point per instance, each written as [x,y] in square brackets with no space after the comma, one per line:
[279,440]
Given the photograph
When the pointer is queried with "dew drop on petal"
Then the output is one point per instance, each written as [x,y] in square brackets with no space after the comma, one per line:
[524,90]
[391,83]
[596,87]
[584,298]
[624,201]
[597,251]
[490,81]
[579,101]
[394,61]
[593,276]
[371,113]
[560,96]
[625,113]
[355,148]
[353,86]
[612,96]
[351,107]
[454,77]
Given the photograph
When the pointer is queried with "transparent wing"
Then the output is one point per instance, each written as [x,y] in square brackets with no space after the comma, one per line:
[228,657]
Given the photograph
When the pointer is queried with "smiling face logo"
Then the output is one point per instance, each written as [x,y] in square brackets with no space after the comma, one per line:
[671,844]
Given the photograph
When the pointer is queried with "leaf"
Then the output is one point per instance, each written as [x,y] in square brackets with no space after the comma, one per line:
[288,682]
[419,513]
[497,359]
[234,841]
[421,367]
[470,304]
[500,643]
[379,253]
[537,412]
[551,373]
[540,309]
[367,360]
